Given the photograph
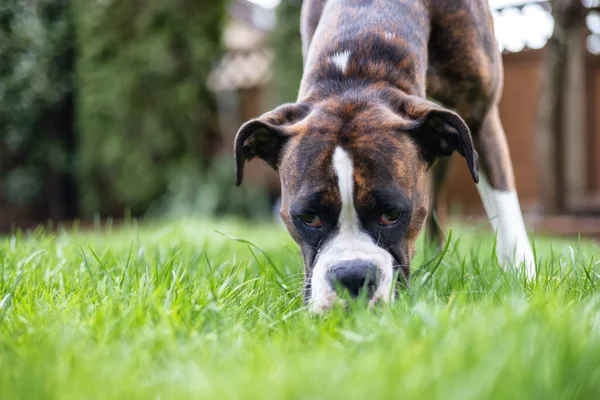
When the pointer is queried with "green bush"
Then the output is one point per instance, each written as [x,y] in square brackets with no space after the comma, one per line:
[144,113]
[212,192]
[36,90]
[287,45]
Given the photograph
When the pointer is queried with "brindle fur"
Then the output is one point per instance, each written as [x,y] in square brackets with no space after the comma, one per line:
[401,52]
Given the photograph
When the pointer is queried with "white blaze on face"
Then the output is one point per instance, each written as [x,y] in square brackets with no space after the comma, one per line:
[504,212]
[341,60]
[349,243]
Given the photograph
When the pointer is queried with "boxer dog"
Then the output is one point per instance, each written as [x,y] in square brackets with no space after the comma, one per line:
[389,88]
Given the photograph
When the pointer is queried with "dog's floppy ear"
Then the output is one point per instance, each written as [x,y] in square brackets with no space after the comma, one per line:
[440,132]
[265,136]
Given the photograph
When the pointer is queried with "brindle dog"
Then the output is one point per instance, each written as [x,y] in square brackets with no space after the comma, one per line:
[354,150]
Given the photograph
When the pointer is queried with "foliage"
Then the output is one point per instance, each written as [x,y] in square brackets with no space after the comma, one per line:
[179,311]
[144,109]
[36,89]
[211,193]
[287,45]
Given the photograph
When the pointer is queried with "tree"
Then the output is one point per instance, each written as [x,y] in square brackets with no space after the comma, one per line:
[144,112]
[288,51]
[36,108]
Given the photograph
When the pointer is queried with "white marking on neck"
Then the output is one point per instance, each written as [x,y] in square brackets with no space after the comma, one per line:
[342,165]
[504,212]
[341,60]
[389,35]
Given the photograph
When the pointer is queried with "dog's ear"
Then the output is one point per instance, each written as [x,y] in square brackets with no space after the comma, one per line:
[440,132]
[265,136]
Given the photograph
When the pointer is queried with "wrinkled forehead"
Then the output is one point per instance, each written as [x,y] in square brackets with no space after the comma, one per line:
[380,159]
[306,168]
[384,162]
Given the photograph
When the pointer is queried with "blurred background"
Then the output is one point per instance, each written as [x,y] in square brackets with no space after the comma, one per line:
[129,108]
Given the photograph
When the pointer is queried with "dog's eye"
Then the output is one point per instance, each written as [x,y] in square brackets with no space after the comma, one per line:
[390,217]
[311,220]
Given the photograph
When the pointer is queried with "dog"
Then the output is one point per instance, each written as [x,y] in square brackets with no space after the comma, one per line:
[390,89]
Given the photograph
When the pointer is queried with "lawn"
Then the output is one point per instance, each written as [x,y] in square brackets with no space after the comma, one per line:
[177,310]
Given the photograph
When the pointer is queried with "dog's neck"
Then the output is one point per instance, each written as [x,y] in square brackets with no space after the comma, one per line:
[356,47]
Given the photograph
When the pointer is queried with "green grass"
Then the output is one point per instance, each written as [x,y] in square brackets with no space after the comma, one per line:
[176,310]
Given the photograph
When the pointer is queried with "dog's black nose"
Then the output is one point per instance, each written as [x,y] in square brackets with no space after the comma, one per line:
[354,276]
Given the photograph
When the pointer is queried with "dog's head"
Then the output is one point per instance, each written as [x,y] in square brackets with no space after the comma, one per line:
[353,178]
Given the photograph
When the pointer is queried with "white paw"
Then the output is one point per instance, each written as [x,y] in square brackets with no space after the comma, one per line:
[518,256]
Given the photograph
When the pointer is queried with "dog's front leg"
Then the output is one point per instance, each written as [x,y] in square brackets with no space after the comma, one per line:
[498,193]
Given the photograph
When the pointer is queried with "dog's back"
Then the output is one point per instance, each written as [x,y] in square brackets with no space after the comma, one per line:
[441,49]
